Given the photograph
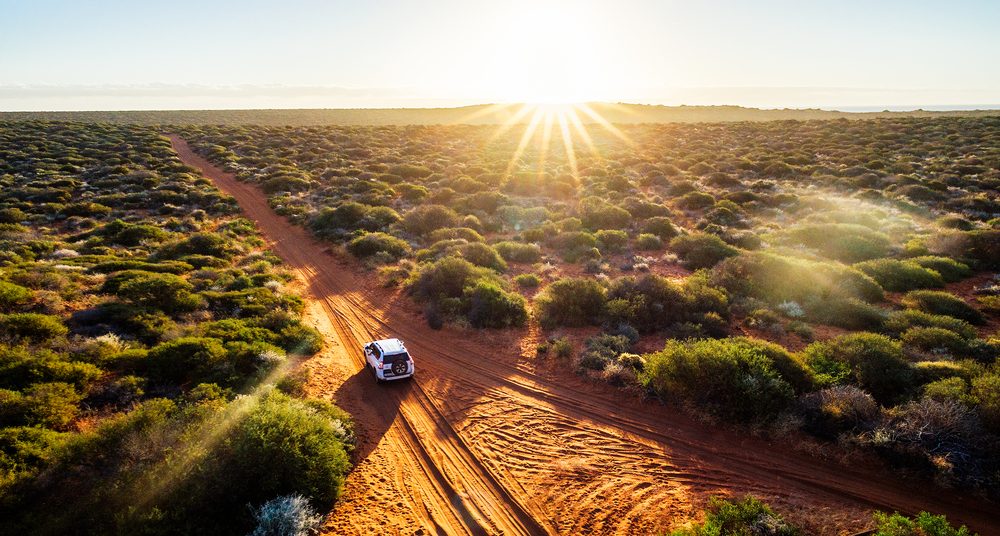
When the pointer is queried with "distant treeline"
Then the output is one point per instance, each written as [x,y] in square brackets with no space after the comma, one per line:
[479,114]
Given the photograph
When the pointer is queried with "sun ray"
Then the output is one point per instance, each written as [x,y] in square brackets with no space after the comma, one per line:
[511,121]
[581,129]
[568,144]
[546,140]
[529,132]
[604,123]
[485,110]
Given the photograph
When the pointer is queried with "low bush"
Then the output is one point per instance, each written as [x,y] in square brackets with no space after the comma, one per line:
[31,328]
[575,245]
[898,276]
[924,524]
[596,214]
[653,302]
[13,296]
[942,303]
[734,379]
[660,226]
[873,362]
[186,359]
[351,216]
[847,313]
[746,517]
[701,250]
[648,242]
[490,306]
[378,243]
[950,269]
[527,280]
[168,292]
[571,302]
[938,342]
[518,252]
[835,410]
[289,515]
[695,200]
[845,242]
[203,243]
[426,219]
[778,279]
[611,241]
[899,322]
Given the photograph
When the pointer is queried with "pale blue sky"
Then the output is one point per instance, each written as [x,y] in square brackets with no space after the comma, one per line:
[198,54]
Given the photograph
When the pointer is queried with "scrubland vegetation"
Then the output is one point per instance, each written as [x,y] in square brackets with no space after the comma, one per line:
[147,349]
[749,516]
[831,277]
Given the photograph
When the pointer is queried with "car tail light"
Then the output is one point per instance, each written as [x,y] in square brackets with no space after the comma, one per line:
[380,366]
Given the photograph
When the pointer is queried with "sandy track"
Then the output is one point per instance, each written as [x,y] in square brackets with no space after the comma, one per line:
[485,442]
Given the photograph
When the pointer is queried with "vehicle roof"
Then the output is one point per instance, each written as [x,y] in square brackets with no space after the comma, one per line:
[391,346]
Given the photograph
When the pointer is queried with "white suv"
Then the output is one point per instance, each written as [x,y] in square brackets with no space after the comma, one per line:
[388,360]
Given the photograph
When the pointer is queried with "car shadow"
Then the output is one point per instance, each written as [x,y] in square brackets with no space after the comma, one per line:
[375,406]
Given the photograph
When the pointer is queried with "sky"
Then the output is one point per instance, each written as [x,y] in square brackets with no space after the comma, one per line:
[846,54]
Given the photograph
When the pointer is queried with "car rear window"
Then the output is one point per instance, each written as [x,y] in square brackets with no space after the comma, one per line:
[392,358]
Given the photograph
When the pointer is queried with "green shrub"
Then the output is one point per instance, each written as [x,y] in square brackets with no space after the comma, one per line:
[33,328]
[483,255]
[376,243]
[842,241]
[899,322]
[300,339]
[652,302]
[847,313]
[778,279]
[574,245]
[187,358]
[489,306]
[596,214]
[53,404]
[527,280]
[286,445]
[746,517]
[26,449]
[20,366]
[648,242]
[873,362]
[446,278]
[924,524]
[130,234]
[168,292]
[935,341]
[942,303]
[734,379]
[978,246]
[518,252]
[835,410]
[571,302]
[898,276]
[455,233]
[425,219]
[695,200]
[701,250]
[950,269]
[660,226]
[611,241]
[204,243]
[13,296]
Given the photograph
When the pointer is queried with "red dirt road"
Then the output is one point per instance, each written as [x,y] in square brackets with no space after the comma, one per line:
[487,441]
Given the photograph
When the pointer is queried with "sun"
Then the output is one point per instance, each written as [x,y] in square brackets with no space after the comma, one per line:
[546,57]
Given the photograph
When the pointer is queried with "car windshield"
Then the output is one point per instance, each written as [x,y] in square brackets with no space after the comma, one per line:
[392,358]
